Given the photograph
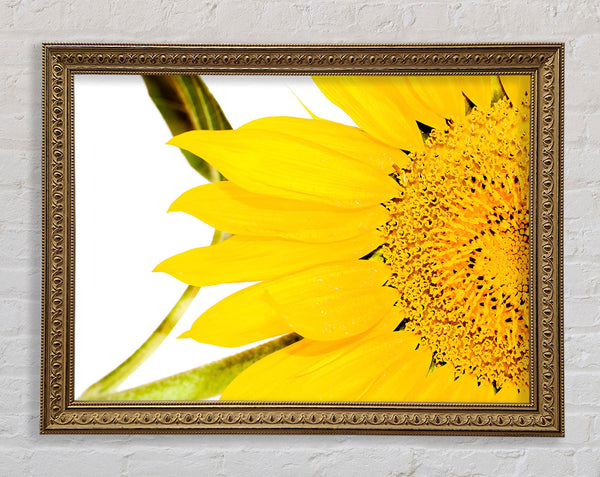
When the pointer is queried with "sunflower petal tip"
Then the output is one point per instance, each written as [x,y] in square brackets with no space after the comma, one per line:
[185,334]
[172,141]
[180,139]
[160,267]
[174,207]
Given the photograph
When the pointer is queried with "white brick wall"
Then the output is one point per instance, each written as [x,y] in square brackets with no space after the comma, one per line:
[25,24]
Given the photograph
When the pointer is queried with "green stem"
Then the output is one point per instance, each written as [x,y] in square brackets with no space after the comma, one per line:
[185,104]
[219,236]
[203,382]
[112,380]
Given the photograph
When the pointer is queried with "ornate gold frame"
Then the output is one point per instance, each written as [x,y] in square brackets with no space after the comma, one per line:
[542,416]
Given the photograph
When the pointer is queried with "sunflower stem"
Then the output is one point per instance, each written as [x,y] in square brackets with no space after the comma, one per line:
[185,104]
[203,382]
[112,380]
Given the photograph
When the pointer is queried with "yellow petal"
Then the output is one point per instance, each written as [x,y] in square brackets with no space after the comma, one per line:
[516,87]
[465,389]
[325,302]
[237,320]
[429,388]
[275,163]
[479,89]
[415,106]
[405,375]
[232,209]
[344,139]
[510,393]
[247,259]
[375,106]
[442,385]
[321,370]
[386,367]
[433,99]
[442,94]
[333,301]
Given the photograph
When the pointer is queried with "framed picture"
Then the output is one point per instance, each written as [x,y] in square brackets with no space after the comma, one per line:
[361,239]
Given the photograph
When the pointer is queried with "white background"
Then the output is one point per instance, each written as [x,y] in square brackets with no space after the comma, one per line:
[126,178]
[24,25]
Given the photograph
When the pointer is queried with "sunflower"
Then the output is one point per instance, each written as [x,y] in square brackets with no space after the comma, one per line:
[397,249]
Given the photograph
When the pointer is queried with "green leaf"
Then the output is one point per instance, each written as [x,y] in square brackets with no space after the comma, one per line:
[185,103]
[203,382]
[112,380]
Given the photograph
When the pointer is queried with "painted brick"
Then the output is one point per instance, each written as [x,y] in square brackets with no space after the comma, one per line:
[486,15]
[305,462]
[13,311]
[15,390]
[578,431]
[92,463]
[581,388]
[582,166]
[351,462]
[580,350]
[580,202]
[431,16]
[582,312]
[25,24]
[18,167]
[478,462]
[18,282]
[547,462]
[591,242]
[386,19]
[17,247]
[346,12]
[593,129]
[15,462]
[143,463]
[18,355]
[575,129]
[584,98]
[87,14]
[22,205]
[584,49]
[581,279]
[587,463]
[37,15]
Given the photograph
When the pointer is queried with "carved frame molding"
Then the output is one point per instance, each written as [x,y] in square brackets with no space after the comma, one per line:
[543,416]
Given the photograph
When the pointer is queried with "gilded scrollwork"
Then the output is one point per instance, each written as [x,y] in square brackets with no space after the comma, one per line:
[61,413]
